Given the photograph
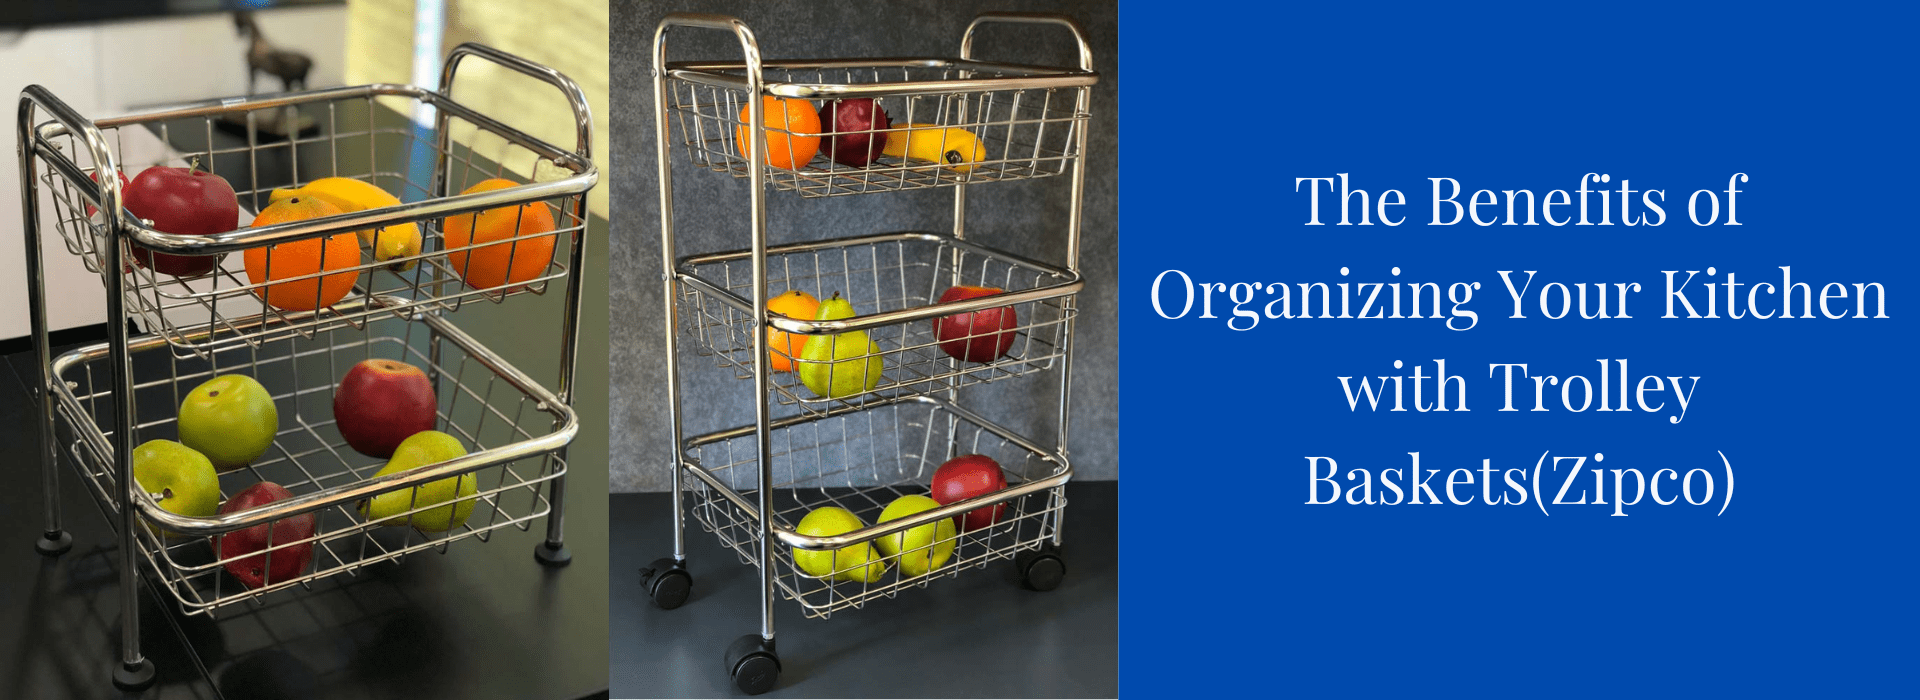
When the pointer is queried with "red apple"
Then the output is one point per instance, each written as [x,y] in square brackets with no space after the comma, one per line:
[186,201]
[975,336]
[858,125]
[266,568]
[968,476]
[382,402]
[96,178]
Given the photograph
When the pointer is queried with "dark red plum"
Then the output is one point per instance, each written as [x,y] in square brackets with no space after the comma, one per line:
[858,125]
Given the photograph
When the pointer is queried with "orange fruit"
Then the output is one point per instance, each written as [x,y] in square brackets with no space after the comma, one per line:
[782,346]
[301,258]
[500,246]
[793,131]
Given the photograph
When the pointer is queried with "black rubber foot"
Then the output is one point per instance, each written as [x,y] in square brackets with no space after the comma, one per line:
[135,677]
[1041,569]
[54,544]
[553,556]
[667,582]
[752,664]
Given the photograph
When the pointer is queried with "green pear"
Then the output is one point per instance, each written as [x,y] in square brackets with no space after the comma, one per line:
[231,419]
[919,549]
[424,448]
[854,563]
[182,480]
[840,365]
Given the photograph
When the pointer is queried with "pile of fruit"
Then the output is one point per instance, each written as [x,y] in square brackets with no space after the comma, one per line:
[839,365]
[918,550]
[318,272]
[383,408]
[857,133]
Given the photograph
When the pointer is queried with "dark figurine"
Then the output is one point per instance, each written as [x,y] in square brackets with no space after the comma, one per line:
[289,66]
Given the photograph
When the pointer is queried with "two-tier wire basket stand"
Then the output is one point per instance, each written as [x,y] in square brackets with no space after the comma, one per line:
[97,402]
[750,486]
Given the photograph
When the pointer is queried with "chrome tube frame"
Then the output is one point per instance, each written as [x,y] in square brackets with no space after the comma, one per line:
[749,78]
[127,506]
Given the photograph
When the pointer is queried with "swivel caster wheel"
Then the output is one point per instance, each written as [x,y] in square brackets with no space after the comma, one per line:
[1041,569]
[667,582]
[752,664]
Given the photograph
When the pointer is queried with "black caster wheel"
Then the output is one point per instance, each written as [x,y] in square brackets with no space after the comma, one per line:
[752,664]
[133,677]
[667,582]
[1041,569]
[552,555]
[54,544]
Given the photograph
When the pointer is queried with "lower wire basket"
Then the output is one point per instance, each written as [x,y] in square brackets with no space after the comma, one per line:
[510,425]
[862,460]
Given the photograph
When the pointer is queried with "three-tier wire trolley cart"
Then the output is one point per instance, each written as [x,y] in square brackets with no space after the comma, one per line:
[868,422]
[202,314]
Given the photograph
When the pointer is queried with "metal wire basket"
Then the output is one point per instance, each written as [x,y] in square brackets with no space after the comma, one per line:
[862,461]
[895,282]
[1013,122]
[510,423]
[349,141]
[867,420]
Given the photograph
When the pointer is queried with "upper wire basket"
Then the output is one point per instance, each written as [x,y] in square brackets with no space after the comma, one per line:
[895,283]
[356,132]
[509,423]
[934,122]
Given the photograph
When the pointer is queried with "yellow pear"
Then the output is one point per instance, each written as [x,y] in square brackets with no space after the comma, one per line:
[424,448]
[843,364]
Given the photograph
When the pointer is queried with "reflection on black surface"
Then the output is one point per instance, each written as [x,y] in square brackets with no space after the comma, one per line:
[268,674]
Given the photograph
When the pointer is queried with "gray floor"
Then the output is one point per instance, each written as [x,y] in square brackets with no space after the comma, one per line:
[979,635]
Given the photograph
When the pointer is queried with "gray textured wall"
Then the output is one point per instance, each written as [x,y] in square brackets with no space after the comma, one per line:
[1027,218]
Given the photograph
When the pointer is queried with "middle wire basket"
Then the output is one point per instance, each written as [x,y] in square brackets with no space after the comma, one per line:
[895,282]
[510,424]
[862,461]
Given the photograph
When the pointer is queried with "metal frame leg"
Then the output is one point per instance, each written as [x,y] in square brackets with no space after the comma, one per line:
[54,540]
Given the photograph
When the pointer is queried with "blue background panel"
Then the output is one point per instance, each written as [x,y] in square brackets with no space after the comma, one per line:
[1803,587]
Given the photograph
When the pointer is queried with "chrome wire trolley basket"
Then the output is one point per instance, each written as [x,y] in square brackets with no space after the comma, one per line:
[225,316]
[855,411]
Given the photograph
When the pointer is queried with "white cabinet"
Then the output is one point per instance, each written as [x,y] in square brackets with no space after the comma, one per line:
[118,67]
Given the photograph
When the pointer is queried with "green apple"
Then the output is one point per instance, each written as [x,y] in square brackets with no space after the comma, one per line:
[853,563]
[180,479]
[425,448]
[230,419]
[919,549]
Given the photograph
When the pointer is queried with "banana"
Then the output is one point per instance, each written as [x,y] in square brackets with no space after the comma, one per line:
[951,146]
[350,195]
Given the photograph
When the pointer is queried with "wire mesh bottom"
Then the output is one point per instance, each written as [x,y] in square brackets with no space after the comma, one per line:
[862,461]
[1009,134]
[877,274]
[480,401]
